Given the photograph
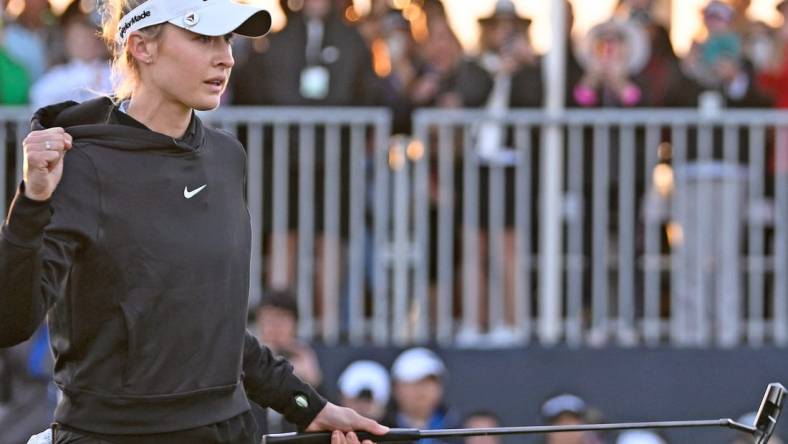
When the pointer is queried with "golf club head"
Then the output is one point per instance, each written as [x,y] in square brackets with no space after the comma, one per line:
[769,412]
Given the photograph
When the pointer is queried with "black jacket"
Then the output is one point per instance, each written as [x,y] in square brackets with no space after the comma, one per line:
[475,84]
[146,289]
[274,76]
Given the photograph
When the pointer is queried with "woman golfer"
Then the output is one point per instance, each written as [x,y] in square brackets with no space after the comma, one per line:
[130,230]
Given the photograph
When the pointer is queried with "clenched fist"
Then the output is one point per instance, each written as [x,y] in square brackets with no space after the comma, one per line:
[43,165]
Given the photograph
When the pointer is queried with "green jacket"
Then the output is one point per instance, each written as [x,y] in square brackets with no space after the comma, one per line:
[14,81]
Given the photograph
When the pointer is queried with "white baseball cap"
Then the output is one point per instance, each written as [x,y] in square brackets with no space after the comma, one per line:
[206,17]
[363,376]
[416,364]
[639,437]
[564,403]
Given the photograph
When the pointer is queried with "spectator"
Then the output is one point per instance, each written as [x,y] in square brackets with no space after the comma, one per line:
[715,57]
[566,410]
[394,60]
[662,72]
[761,46]
[612,53]
[14,79]
[27,395]
[365,387]
[277,326]
[86,72]
[506,74]
[719,64]
[315,60]
[640,437]
[482,419]
[419,377]
[757,41]
[774,78]
[441,53]
[26,35]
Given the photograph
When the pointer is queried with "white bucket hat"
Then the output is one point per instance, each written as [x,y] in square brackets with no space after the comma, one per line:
[206,17]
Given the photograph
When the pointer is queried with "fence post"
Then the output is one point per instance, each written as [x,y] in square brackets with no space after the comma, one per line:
[550,296]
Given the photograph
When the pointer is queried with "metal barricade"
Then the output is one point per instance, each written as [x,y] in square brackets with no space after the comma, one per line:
[312,175]
[674,228]
[14,126]
[674,224]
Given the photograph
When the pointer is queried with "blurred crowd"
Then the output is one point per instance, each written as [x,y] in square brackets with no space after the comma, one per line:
[411,392]
[409,57]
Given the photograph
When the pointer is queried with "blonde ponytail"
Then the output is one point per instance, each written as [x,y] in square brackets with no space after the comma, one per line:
[125,72]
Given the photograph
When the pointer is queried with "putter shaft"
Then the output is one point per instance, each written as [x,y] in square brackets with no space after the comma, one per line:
[415,434]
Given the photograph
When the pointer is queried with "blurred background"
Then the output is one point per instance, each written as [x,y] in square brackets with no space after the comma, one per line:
[479,213]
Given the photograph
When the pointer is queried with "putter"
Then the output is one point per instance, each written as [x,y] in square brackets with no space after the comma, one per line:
[768,412]
[762,430]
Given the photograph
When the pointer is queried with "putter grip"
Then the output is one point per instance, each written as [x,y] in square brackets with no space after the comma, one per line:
[325,437]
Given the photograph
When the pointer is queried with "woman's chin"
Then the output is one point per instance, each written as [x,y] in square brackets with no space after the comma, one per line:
[206,103]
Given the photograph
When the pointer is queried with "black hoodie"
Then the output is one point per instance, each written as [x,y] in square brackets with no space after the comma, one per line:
[141,260]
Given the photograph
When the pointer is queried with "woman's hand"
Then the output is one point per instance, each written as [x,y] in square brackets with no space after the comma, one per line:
[343,422]
[43,163]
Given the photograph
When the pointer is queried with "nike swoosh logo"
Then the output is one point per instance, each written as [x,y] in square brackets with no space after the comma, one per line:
[189,194]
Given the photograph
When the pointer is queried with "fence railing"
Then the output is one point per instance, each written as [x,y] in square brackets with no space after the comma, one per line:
[674,224]
[675,227]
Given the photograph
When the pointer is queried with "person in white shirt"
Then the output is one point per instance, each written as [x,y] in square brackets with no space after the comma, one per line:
[87,72]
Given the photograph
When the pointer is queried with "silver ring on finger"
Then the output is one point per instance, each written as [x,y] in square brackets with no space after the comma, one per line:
[48,145]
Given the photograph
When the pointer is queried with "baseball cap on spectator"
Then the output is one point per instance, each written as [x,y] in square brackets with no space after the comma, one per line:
[416,364]
[561,404]
[639,437]
[365,378]
[720,10]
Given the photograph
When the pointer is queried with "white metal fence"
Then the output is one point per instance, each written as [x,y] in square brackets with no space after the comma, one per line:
[674,227]
[674,224]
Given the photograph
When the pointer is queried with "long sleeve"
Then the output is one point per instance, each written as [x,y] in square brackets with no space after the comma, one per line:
[270,382]
[38,242]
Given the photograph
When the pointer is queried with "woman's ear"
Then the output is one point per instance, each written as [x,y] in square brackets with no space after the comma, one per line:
[142,48]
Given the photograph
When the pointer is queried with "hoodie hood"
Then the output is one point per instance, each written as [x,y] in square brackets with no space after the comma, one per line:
[98,122]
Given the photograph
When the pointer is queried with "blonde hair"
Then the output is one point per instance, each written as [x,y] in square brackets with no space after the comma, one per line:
[125,72]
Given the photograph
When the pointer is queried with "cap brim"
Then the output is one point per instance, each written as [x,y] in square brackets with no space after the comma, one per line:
[228,17]
[257,25]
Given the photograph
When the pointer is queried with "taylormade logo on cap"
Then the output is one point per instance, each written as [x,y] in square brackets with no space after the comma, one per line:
[131,21]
